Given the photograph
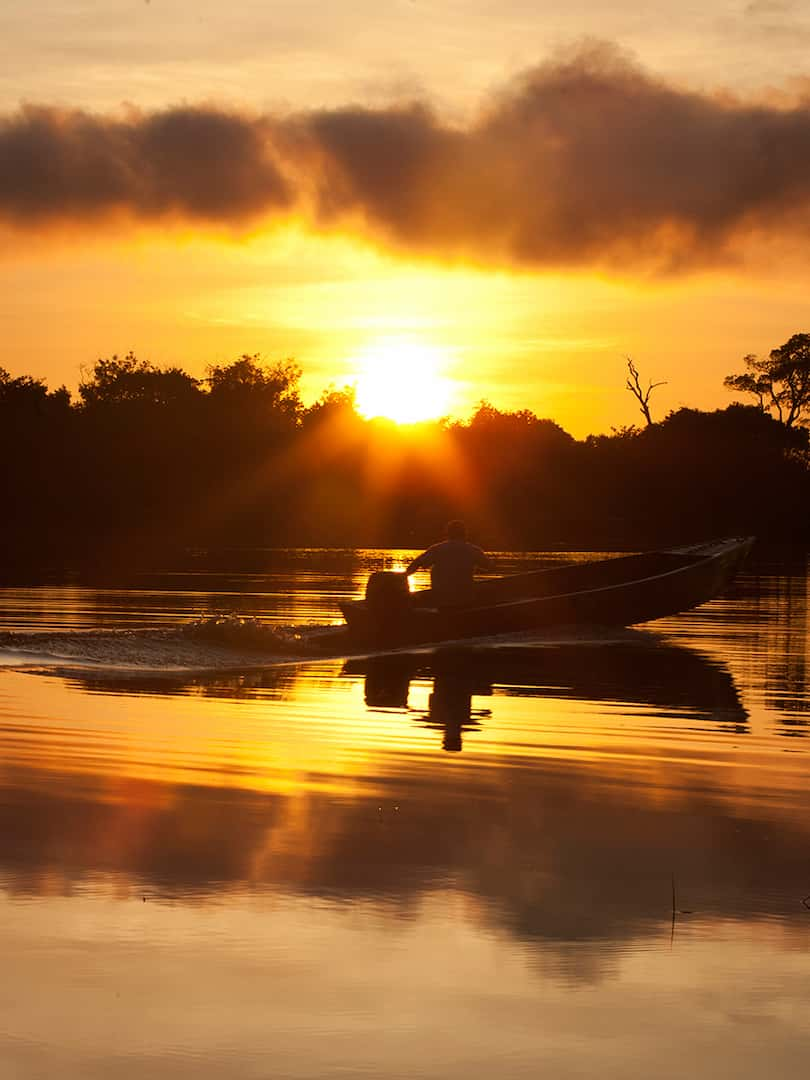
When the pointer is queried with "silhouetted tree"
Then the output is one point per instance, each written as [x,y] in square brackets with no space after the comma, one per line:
[780,383]
[150,460]
[125,381]
[518,468]
[26,395]
[334,405]
[37,454]
[263,388]
[641,395]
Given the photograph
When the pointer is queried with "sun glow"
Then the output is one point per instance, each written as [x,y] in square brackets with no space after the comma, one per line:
[401,379]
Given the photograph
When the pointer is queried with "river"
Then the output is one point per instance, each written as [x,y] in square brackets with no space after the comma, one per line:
[581,855]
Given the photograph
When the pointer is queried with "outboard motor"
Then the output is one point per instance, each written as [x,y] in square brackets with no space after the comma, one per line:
[388,598]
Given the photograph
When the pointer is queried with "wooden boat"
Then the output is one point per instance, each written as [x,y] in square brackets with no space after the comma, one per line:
[621,591]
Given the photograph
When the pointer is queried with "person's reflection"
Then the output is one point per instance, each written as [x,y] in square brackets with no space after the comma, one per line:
[450,706]
[387,685]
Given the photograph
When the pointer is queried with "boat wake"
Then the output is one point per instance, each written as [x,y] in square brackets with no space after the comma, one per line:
[218,643]
[232,643]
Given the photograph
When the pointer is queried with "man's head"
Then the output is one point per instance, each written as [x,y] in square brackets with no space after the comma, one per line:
[456,530]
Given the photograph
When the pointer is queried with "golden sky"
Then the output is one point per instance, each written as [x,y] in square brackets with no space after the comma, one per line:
[525,193]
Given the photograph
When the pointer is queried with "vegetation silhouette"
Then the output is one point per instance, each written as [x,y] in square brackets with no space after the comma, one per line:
[780,383]
[147,462]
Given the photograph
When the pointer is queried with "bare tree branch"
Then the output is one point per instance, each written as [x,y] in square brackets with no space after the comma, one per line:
[641,395]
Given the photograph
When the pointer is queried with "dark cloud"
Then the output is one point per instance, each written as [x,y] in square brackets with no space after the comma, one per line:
[199,163]
[586,160]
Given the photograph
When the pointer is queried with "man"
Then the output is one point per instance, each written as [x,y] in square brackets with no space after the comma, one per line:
[452,565]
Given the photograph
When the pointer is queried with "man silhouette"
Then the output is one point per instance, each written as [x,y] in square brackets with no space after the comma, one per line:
[452,563]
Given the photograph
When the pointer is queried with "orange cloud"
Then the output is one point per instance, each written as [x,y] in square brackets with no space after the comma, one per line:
[587,160]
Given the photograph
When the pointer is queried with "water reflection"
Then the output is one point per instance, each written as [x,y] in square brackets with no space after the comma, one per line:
[640,669]
[643,670]
[280,586]
[783,641]
[560,851]
[450,706]
[211,873]
[274,682]
[763,620]
[450,710]
[570,832]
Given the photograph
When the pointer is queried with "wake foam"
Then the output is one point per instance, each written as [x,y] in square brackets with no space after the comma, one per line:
[231,642]
[220,642]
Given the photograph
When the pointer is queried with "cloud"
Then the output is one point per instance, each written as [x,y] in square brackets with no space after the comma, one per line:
[586,160]
[779,22]
[758,8]
[196,163]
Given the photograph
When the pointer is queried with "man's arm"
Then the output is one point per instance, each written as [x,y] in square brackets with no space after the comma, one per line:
[483,560]
[423,560]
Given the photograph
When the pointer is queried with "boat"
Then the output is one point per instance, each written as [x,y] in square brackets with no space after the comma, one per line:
[617,591]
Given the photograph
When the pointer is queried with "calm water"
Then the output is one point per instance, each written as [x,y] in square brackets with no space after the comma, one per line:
[433,866]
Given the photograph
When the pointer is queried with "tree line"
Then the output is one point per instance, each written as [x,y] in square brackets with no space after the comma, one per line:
[147,462]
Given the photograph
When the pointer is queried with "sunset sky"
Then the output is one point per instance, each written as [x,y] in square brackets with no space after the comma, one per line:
[519,194]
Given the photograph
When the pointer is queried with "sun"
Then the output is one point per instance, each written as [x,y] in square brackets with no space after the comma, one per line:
[401,379]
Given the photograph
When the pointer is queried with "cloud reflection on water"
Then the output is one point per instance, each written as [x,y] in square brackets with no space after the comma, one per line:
[548,842]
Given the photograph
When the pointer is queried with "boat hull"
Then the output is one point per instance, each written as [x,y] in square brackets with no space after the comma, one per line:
[623,591]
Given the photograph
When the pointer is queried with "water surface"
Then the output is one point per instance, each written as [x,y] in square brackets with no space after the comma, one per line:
[583,855]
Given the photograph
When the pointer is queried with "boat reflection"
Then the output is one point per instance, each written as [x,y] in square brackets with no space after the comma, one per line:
[566,824]
[640,669]
[644,670]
